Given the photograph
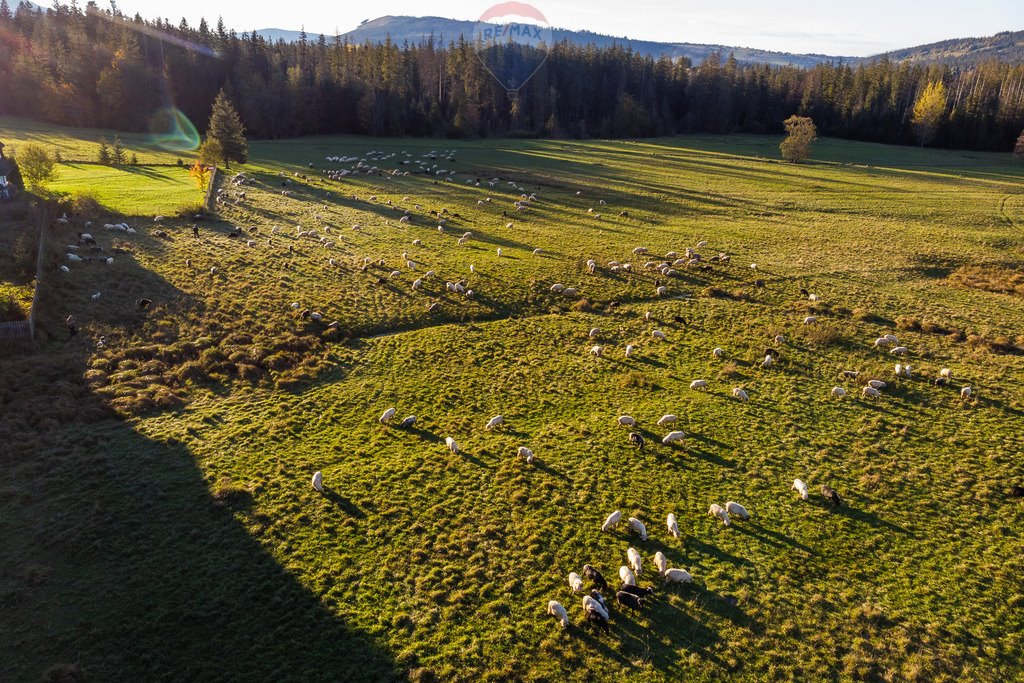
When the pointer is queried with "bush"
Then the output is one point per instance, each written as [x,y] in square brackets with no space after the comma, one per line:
[37,167]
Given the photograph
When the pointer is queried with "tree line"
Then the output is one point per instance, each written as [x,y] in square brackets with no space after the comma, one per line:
[101,68]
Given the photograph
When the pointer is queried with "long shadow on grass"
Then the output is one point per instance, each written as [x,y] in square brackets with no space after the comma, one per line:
[774,538]
[150,575]
[716,552]
[346,505]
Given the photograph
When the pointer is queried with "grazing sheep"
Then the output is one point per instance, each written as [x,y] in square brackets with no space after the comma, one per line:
[809,320]
[110,260]
[96,296]
[883,341]
[737,510]
[592,604]
[637,439]
[662,290]
[966,392]
[830,496]
[637,591]
[849,374]
[596,351]
[388,415]
[660,561]
[673,526]
[418,283]
[718,511]
[626,576]
[594,333]
[626,421]
[452,446]
[318,481]
[699,384]
[667,419]
[838,392]
[630,349]
[597,619]
[779,339]
[658,334]
[740,394]
[946,372]
[638,527]
[408,422]
[876,384]
[673,437]
[612,520]
[768,362]
[870,392]
[65,269]
[575,582]
[558,612]
[629,600]
[526,453]
[718,353]
[633,557]
[677,576]
[595,576]
[899,351]
[800,487]
[495,421]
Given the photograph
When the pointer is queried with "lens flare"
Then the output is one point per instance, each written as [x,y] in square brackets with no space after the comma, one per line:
[170,130]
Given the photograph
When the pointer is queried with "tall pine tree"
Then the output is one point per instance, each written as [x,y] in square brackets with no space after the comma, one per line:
[227,129]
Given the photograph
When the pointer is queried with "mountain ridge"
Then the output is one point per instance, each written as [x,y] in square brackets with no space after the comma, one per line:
[1007,45]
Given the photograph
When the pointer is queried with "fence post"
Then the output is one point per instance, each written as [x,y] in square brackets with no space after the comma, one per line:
[39,280]
[210,195]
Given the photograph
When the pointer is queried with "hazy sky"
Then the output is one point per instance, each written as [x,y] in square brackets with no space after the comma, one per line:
[858,28]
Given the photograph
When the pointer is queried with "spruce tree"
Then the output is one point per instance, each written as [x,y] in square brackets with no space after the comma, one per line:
[227,129]
[104,154]
[5,11]
[1018,151]
[117,152]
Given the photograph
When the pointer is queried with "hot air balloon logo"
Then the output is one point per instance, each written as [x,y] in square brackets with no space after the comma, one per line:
[512,40]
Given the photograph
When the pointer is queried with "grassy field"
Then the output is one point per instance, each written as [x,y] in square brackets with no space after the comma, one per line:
[156,511]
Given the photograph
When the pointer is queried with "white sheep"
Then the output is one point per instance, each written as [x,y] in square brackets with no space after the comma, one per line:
[677,576]
[740,394]
[838,392]
[495,421]
[594,333]
[718,353]
[418,283]
[626,575]
[718,511]
[96,296]
[946,372]
[667,419]
[780,339]
[883,341]
[737,510]
[592,605]
[558,612]
[612,520]
[65,269]
[658,334]
[699,384]
[871,392]
[110,260]
[638,527]
[557,288]
[626,421]
[662,290]
[525,453]
[318,481]
[673,437]
[800,487]
[809,320]
[892,338]
[575,582]
[660,561]
[630,349]
[388,415]
[634,560]
[899,351]
[452,446]
[876,384]
[966,392]
[596,351]
[673,526]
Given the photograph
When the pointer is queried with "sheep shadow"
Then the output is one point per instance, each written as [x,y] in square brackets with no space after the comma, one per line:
[865,517]
[773,538]
[717,553]
[340,501]
[541,466]
[726,607]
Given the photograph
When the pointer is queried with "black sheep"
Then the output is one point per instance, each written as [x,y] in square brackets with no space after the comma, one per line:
[831,496]
[596,619]
[636,439]
[629,600]
[595,576]
[637,591]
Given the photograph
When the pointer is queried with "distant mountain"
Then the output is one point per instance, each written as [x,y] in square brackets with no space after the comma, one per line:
[1008,47]
[1005,46]
[418,29]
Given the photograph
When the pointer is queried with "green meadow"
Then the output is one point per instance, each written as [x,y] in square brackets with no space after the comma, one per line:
[155,503]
